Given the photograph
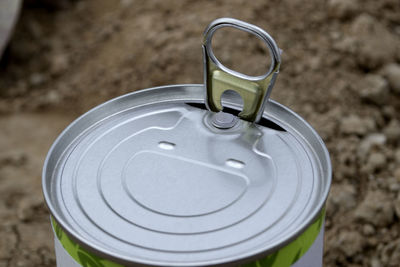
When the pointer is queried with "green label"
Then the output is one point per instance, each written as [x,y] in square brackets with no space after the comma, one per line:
[285,257]
[288,255]
[78,253]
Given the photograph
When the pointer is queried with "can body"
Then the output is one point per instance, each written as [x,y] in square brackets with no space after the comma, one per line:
[146,180]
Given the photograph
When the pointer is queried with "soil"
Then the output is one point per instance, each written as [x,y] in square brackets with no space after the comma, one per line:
[340,71]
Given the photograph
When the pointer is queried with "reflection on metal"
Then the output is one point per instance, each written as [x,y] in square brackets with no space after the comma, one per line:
[9,10]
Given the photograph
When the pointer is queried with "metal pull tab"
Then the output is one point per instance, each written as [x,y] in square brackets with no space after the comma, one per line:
[254,90]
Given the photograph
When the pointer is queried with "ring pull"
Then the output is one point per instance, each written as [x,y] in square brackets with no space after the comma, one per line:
[254,90]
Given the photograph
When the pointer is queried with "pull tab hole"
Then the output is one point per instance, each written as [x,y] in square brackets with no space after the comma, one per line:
[241,51]
[233,96]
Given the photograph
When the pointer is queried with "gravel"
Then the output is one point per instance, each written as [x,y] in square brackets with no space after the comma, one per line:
[374,89]
[342,9]
[353,124]
[376,161]
[397,205]
[376,209]
[375,44]
[8,242]
[392,131]
[375,140]
[392,74]
[343,198]
[397,156]
[349,243]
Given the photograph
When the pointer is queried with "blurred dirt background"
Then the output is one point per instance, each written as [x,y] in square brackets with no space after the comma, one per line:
[340,71]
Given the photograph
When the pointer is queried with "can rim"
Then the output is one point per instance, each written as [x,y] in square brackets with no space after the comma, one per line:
[243,257]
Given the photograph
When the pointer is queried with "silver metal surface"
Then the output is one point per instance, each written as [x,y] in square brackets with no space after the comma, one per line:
[247,27]
[255,90]
[9,11]
[145,180]
[223,120]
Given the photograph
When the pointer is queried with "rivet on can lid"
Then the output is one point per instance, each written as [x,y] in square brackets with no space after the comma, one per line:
[224,120]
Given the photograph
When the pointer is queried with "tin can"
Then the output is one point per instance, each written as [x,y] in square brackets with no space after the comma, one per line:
[163,177]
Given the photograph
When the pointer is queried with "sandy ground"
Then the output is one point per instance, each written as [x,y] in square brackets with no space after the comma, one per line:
[340,71]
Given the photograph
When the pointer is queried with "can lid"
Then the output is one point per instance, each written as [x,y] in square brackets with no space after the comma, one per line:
[150,178]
